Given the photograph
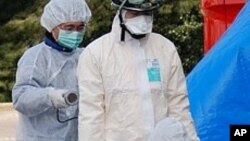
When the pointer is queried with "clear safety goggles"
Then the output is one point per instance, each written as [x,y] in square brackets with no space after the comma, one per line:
[72,27]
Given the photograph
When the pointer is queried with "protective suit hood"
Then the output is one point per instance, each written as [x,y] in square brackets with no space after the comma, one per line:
[116,30]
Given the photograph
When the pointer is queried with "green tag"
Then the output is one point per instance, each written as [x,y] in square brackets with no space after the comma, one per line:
[154,71]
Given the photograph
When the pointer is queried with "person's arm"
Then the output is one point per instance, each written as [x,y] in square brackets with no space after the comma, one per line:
[91,103]
[177,98]
[30,95]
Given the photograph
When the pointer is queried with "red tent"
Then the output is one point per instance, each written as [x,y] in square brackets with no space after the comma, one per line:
[218,16]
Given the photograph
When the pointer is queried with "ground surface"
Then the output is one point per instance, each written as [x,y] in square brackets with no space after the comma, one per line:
[8,122]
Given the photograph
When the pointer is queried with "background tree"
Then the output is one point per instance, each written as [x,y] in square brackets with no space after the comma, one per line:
[19,26]
[178,20]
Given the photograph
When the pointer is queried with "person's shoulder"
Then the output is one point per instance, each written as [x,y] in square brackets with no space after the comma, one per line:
[32,53]
[95,48]
[162,41]
[97,43]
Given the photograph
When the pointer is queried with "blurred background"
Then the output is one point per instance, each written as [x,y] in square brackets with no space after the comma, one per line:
[178,20]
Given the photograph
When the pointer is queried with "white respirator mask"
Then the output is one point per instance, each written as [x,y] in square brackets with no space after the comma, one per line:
[140,25]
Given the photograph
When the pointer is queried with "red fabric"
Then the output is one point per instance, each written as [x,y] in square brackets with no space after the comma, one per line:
[218,16]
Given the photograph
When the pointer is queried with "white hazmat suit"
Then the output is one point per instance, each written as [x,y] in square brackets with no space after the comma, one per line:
[127,87]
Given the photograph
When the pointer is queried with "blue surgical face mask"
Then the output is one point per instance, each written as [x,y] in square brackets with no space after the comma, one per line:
[70,39]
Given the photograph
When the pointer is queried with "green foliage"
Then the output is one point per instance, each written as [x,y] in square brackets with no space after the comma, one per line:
[181,22]
[101,21]
[178,20]
[20,29]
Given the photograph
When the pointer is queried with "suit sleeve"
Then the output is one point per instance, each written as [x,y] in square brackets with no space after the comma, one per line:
[91,103]
[177,98]
[30,94]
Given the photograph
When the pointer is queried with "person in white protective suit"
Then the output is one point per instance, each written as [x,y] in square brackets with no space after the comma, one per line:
[46,75]
[130,79]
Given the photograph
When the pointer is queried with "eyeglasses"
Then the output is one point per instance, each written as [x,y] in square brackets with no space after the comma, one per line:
[73,27]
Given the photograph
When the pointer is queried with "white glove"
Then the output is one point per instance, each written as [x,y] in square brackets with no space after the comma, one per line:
[169,129]
[57,98]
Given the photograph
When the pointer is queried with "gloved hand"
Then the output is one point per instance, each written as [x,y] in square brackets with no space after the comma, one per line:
[57,97]
[169,129]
